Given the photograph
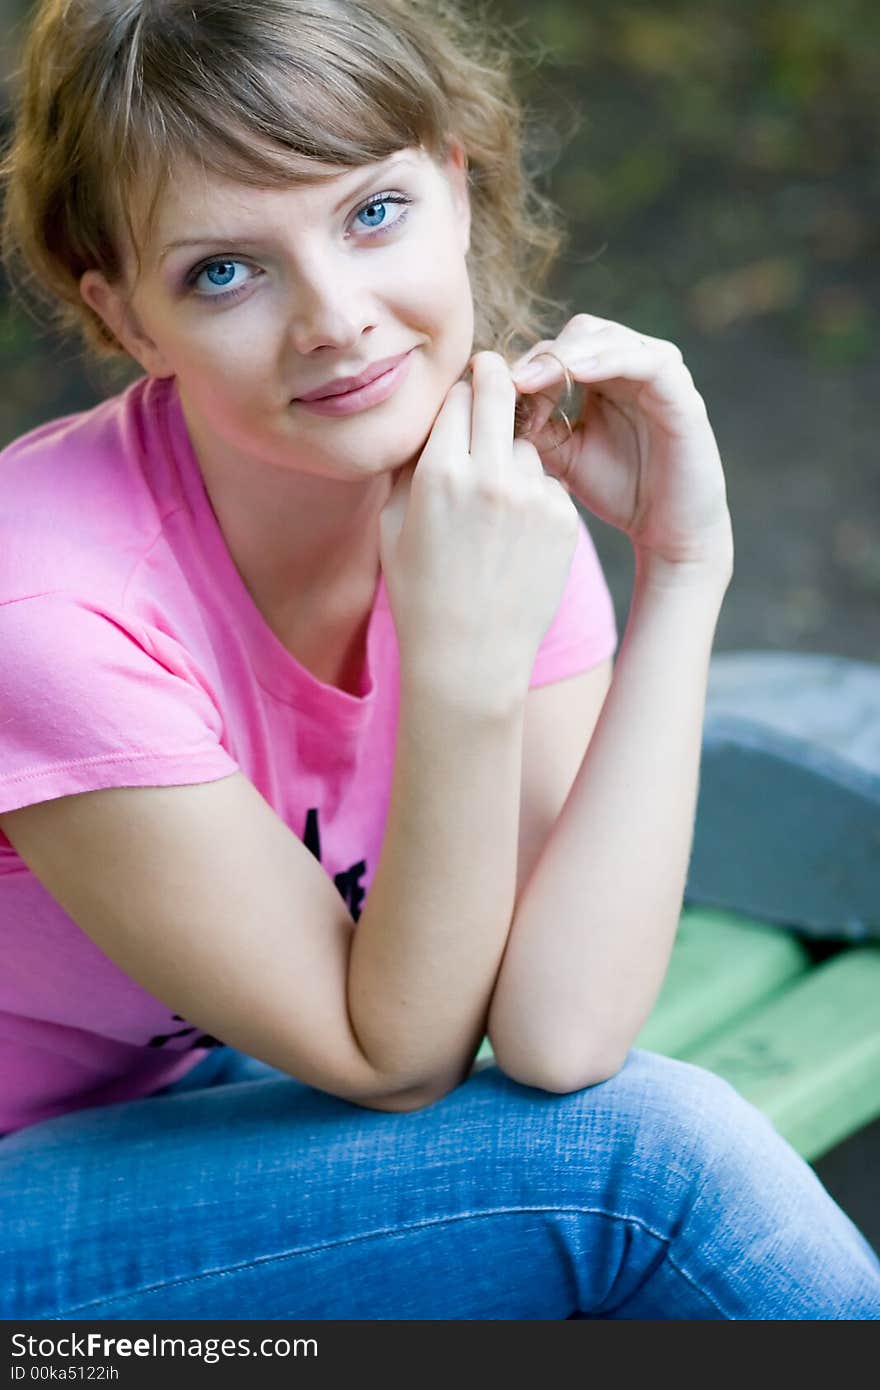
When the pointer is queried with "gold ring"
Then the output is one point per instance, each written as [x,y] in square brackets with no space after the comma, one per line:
[569,389]
[560,442]
[569,384]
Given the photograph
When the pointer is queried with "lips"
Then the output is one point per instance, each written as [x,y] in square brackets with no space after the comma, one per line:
[342,384]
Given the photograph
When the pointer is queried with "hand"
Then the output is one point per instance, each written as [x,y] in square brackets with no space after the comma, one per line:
[476,543]
[642,455]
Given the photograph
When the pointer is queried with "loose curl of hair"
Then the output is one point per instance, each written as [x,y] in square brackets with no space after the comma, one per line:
[110,93]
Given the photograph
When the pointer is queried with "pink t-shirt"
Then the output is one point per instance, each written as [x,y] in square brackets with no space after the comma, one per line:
[132,655]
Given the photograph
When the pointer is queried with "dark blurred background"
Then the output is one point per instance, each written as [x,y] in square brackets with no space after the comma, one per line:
[717,163]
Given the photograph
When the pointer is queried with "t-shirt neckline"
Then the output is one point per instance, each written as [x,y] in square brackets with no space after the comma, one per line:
[277,669]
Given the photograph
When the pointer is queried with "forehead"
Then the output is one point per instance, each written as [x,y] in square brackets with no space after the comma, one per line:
[197,203]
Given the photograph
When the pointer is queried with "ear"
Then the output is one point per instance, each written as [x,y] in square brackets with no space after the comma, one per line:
[456,169]
[109,304]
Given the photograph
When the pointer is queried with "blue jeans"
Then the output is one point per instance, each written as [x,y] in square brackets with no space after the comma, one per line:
[241,1193]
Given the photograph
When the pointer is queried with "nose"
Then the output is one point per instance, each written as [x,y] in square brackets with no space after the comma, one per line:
[330,308]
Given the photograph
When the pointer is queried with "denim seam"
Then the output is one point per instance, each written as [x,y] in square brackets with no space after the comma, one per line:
[389,1231]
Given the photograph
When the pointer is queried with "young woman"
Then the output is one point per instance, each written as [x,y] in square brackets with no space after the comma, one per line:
[313,772]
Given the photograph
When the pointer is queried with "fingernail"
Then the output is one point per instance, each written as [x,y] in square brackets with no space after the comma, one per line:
[531,372]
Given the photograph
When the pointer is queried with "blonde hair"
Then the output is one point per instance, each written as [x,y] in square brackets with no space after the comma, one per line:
[110,93]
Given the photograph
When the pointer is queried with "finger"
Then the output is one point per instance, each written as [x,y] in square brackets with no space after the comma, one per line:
[392,515]
[579,332]
[583,337]
[539,406]
[617,355]
[521,371]
[450,437]
[549,363]
[494,401]
[660,370]
[526,459]
[583,326]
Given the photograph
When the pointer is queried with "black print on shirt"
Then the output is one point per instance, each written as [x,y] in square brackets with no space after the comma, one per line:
[348,882]
[203,1039]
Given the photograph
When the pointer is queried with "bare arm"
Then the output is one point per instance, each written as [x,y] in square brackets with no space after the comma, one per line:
[256,947]
[426,950]
[476,546]
[594,928]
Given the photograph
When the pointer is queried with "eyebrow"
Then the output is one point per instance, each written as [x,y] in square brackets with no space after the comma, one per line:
[391,163]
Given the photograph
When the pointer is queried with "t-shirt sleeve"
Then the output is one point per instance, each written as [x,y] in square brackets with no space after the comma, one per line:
[91,698]
[583,632]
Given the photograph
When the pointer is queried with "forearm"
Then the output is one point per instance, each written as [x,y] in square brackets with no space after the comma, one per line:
[594,928]
[427,947]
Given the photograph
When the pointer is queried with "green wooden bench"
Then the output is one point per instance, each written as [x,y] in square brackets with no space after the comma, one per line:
[798,1038]
[774,977]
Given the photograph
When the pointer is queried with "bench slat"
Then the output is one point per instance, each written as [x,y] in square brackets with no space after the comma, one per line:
[722,963]
[810,1058]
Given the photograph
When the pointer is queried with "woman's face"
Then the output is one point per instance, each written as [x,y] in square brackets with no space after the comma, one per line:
[284,290]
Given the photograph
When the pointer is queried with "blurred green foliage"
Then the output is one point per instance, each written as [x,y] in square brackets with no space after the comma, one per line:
[723,163]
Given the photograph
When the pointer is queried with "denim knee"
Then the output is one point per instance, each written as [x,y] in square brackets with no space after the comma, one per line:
[668,1134]
[647,1133]
[694,1114]
[730,1158]
[698,1099]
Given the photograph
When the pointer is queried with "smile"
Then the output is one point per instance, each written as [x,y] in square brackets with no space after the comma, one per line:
[350,402]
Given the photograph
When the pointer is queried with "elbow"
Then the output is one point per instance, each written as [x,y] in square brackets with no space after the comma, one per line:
[553,1058]
[419,1097]
[562,1080]
[401,1102]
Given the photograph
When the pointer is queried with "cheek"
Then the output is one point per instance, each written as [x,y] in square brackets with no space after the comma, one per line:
[455,319]
[441,306]
[446,288]
[232,361]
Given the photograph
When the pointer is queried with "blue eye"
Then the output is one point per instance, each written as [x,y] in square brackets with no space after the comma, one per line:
[221,270]
[374,207]
[379,205]
[220,274]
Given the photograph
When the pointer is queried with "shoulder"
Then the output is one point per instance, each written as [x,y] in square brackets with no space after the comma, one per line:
[75,506]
